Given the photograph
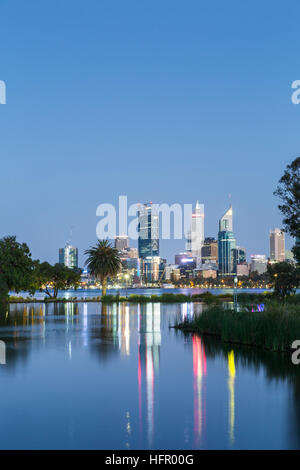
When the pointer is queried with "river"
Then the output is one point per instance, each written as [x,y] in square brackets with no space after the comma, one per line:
[92,376]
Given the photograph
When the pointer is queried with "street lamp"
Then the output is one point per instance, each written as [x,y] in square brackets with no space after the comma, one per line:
[235,292]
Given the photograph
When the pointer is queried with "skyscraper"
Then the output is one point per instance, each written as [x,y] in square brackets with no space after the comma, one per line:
[209,250]
[226,244]
[196,234]
[239,257]
[225,222]
[69,256]
[148,242]
[148,230]
[121,242]
[277,245]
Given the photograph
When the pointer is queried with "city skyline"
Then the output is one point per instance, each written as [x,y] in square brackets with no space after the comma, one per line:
[149,240]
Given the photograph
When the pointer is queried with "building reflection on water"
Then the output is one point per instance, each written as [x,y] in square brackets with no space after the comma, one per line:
[199,373]
[110,331]
[149,340]
[190,309]
[231,380]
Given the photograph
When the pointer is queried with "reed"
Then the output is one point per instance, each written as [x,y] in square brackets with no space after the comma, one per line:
[275,328]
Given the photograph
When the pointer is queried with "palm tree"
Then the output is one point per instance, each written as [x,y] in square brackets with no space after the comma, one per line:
[103,261]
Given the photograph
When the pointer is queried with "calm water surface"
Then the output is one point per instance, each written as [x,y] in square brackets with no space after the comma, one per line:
[117,377]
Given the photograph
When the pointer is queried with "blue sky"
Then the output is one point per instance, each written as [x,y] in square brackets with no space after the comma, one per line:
[169,101]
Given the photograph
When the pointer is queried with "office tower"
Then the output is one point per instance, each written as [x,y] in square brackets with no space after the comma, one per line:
[195,237]
[209,251]
[277,245]
[69,256]
[207,273]
[226,244]
[239,256]
[148,231]
[121,242]
[131,265]
[258,263]
[180,257]
[187,267]
[171,270]
[226,222]
[151,269]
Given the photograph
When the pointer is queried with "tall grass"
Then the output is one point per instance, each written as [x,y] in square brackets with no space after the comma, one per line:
[275,328]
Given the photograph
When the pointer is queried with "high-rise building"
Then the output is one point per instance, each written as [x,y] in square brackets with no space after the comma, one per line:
[226,244]
[180,257]
[209,251]
[69,256]
[277,245]
[239,256]
[195,237]
[152,269]
[170,271]
[148,230]
[121,242]
[187,267]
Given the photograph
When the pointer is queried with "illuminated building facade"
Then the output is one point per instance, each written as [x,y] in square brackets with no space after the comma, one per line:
[195,237]
[180,257]
[207,273]
[152,269]
[148,231]
[69,256]
[277,245]
[209,251]
[226,244]
[187,267]
[239,257]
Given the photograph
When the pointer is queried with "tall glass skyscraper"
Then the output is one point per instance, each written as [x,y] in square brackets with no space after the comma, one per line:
[148,230]
[226,244]
[195,237]
[69,256]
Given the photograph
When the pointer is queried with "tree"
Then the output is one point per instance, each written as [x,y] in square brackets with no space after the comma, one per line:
[288,191]
[285,278]
[103,261]
[50,279]
[16,267]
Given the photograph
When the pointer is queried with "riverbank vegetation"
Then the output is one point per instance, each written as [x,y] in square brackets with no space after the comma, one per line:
[244,299]
[205,297]
[275,328]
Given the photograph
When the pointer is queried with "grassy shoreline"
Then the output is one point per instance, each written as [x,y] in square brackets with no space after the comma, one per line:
[206,297]
[274,329]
